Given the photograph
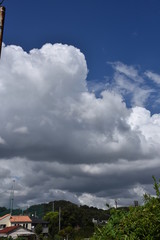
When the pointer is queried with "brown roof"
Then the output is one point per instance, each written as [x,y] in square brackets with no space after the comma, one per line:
[8,229]
[7,215]
[20,219]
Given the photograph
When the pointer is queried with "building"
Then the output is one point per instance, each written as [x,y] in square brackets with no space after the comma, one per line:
[23,221]
[36,221]
[9,221]
[17,231]
[5,221]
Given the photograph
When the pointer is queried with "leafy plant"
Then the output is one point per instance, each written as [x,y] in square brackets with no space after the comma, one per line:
[138,223]
[38,229]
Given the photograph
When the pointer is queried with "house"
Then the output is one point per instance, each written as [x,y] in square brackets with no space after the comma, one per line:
[23,221]
[9,221]
[36,221]
[17,231]
[5,221]
[99,222]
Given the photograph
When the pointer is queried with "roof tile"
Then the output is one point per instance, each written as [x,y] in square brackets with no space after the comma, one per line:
[17,219]
[8,229]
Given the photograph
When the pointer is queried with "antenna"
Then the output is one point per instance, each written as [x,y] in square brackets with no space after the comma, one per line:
[12,197]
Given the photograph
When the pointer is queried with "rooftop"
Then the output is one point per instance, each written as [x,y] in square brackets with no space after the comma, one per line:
[8,229]
[16,219]
[38,220]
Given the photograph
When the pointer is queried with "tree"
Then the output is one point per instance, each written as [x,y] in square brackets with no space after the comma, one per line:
[138,223]
[66,232]
[38,229]
[52,218]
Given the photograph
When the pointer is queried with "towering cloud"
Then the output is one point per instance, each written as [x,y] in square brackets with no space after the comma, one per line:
[59,139]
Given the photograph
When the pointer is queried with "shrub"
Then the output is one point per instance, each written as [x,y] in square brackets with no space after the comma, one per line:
[138,223]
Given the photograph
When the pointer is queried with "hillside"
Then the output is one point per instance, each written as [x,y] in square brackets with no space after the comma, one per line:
[77,218]
[41,210]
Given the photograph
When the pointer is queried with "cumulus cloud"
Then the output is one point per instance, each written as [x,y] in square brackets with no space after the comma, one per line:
[59,139]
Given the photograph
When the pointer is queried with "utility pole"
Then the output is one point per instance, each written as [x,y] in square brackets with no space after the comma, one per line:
[53,206]
[136,203]
[59,218]
[12,197]
[116,203]
[2,15]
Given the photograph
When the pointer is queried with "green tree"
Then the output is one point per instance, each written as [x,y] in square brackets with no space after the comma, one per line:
[52,218]
[38,229]
[138,223]
[66,232]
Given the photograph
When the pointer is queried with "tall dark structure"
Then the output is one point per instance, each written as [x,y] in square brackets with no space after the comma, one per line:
[2,15]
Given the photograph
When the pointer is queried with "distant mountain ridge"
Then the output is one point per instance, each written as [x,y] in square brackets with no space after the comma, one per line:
[40,210]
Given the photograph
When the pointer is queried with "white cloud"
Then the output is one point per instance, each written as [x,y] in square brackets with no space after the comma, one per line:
[149,126]
[129,71]
[139,190]
[2,141]
[21,130]
[79,147]
[91,200]
[130,82]
[153,76]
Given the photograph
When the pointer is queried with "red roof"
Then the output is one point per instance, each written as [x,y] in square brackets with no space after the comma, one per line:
[20,219]
[8,229]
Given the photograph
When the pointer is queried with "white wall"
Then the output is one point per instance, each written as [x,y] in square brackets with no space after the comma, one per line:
[6,221]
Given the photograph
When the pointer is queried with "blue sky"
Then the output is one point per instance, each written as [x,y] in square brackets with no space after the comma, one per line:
[126,31]
[105,31]
[79,100]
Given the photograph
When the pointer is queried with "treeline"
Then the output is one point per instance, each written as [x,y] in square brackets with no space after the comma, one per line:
[75,221]
[69,209]
[4,211]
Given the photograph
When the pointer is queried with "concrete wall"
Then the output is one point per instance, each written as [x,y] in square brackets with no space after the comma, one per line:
[5,221]
[25,225]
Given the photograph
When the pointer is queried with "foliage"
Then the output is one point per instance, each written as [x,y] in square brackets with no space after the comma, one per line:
[79,218]
[21,238]
[57,237]
[138,223]
[38,229]
[76,221]
[156,186]
[4,211]
[66,232]
[52,218]
[4,238]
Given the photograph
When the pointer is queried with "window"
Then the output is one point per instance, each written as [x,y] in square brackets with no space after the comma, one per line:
[2,226]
